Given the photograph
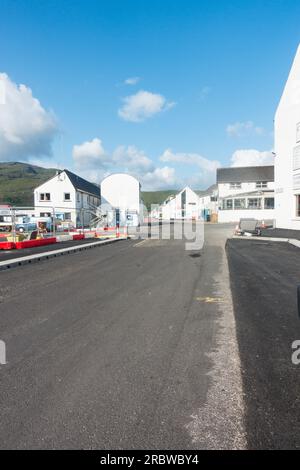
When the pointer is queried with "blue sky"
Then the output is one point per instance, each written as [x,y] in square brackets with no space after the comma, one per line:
[205,80]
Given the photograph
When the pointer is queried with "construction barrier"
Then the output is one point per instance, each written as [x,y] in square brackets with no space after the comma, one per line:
[33,243]
[18,245]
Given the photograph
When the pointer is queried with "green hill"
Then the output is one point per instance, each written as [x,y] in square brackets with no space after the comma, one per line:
[18,180]
[156,197]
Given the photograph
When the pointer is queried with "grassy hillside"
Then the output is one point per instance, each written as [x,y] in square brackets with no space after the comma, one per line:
[156,197]
[17,181]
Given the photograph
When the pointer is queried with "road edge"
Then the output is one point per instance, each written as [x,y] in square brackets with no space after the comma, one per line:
[5,265]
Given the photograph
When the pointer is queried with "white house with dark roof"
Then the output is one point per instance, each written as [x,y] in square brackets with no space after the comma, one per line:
[68,195]
[246,192]
[208,203]
[287,151]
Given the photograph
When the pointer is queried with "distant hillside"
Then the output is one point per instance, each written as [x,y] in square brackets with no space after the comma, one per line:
[156,197]
[18,180]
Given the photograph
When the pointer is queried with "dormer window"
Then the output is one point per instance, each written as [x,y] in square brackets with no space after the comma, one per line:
[235,185]
[261,184]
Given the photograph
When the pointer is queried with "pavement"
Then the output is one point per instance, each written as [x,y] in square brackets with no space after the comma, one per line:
[6,255]
[281,233]
[264,279]
[125,347]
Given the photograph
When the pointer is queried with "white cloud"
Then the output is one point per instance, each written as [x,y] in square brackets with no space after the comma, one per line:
[26,128]
[143,105]
[94,163]
[90,154]
[252,157]
[132,159]
[190,159]
[243,129]
[160,178]
[132,80]
[205,170]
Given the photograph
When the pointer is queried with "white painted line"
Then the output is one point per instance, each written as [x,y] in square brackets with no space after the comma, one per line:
[140,243]
[50,254]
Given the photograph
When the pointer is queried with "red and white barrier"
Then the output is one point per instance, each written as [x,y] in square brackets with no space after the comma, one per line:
[110,232]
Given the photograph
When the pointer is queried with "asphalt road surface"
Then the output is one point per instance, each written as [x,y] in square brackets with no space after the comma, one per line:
[264,280]
[139,345]
[124,346]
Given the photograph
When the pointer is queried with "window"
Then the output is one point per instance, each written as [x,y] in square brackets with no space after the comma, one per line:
[213,198]
[45,197]
[67,215]
[254,203]
[240,204]
[227,204]
[261,184]
[78,197]
[45,214]
[235,185]
[269,203]
[67,196]
[298,205]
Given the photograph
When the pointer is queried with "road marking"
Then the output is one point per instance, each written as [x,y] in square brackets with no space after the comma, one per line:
[209,300]
[140,243]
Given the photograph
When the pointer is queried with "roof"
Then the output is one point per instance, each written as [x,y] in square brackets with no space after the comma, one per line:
[258,193]
[83,185]
[245,174]
[207,192]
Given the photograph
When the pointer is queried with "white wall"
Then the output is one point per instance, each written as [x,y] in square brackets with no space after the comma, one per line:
[225,190]
[235,215]
[122,191]
[205,203]
[57,186]
[173,208]
[286,139]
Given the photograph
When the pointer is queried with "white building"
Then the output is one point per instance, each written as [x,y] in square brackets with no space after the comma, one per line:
[69,196]
[287,151]
[184,205]
[123,193]
[208,203]
[246,192]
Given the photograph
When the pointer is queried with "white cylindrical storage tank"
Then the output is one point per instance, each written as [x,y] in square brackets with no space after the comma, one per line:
[123,193]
